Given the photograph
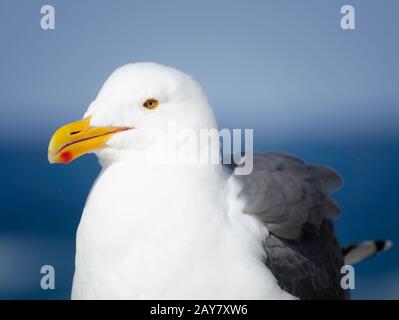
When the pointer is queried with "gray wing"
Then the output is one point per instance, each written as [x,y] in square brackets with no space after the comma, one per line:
[293,200]
[308,269]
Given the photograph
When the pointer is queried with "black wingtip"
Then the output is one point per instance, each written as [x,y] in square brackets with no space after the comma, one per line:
[383,245]
[361,251]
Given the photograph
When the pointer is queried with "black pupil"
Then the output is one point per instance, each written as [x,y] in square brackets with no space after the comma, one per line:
[150,103]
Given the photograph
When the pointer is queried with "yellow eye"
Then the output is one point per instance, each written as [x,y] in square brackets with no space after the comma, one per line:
[151,104]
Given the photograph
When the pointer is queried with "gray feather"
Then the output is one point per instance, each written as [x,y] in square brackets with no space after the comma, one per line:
[293,200]
[356,253]
[309,269]
[288,195]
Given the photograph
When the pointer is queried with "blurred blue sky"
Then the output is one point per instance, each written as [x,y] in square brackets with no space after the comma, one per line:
[284,68]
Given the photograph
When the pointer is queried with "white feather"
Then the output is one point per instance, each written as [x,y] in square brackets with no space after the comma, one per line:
[164,231]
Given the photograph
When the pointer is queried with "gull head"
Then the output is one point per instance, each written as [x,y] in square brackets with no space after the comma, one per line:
[136,109]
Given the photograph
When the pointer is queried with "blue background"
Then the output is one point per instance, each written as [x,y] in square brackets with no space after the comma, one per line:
[284,68]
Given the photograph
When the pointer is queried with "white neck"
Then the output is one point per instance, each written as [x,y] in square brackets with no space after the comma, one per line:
[156,231]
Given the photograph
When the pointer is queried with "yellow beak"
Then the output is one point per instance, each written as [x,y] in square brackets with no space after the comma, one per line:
[77,138]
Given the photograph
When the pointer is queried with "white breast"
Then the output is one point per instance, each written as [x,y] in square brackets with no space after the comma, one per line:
[151,232]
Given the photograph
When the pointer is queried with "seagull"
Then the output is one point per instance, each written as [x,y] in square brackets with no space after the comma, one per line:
[155,229]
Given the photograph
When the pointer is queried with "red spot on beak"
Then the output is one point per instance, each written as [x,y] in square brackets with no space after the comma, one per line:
[66,156]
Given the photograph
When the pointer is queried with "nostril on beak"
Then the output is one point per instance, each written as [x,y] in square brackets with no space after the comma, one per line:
[74,132]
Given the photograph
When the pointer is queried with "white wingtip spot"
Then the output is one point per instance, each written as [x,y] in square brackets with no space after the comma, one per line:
[388,245]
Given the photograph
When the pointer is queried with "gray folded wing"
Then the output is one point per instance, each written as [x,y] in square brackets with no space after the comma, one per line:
[308,269]
[293,200]
[288,195]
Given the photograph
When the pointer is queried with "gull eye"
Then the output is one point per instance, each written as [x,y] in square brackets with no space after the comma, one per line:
[151,104]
